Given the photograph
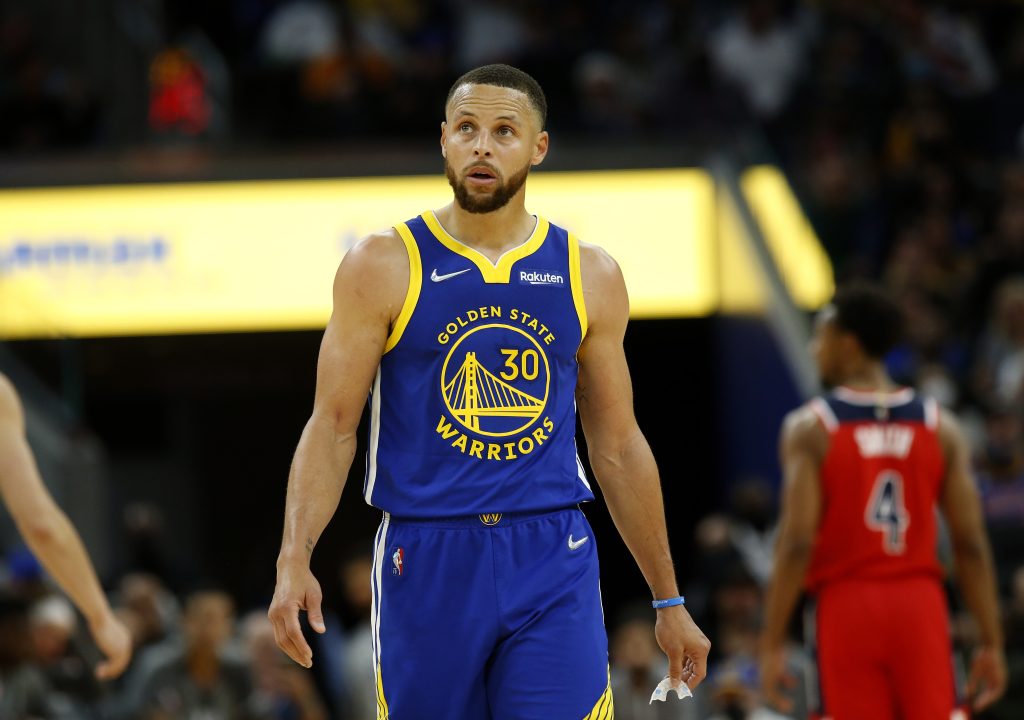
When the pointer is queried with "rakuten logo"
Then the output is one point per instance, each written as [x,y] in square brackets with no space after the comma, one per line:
[540,277]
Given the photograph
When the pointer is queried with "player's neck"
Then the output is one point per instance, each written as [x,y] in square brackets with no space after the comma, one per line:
[493,233]
[869,377]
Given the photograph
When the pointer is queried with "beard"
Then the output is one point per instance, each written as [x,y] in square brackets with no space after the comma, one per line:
[495,200]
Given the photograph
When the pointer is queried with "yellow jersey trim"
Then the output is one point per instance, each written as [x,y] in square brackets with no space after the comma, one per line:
[576,282]
[412,295]
[604,708]
[501,271]
[382,703]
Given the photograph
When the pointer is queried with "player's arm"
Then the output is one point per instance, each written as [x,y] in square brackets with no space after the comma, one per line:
[52,537]
[802,448]
[972,557]
[623,462]
[369,289]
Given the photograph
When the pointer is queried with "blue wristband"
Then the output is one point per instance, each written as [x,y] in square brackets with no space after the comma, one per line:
[671,602]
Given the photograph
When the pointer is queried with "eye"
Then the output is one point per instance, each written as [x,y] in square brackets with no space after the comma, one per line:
[465,127]
[505,130]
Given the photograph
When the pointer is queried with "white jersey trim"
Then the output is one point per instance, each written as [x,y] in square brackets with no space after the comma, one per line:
[580,472]
[871,398]
[371,452]
[825,414]
[931,413]
[378,589]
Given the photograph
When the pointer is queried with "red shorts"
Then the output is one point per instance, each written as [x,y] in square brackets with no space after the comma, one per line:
[884,650]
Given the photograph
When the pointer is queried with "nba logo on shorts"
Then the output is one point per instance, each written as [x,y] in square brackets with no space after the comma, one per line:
[398,558]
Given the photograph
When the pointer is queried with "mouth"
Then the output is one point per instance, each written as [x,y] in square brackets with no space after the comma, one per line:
[481,175]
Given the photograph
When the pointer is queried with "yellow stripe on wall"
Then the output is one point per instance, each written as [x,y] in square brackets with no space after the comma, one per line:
[261,256]
[802,261]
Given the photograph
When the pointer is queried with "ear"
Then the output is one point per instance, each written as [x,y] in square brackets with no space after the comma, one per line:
[444,138]
[540,149]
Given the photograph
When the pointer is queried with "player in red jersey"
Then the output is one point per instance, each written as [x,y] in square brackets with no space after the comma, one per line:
[864,469]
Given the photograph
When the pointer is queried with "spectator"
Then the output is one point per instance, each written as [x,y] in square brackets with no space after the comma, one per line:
[145,547]
[999,376]
[489,31]
[53,626]
[762,54]
[196,677]
[152,608]
[359,681]
[743,537]
[734,696]
[283,690]
[941,45]
[605,106]
[26,693]
[307,76]
[1000,468]
[1001,257]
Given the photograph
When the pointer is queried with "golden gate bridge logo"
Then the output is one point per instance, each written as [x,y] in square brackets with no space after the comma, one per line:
[474,393]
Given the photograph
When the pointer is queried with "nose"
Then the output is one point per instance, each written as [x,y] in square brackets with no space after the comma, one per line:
[482,147]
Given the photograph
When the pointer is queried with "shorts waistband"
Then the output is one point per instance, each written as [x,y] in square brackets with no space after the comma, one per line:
[471,521]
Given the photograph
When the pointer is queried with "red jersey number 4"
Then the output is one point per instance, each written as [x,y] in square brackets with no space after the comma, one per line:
[886,512]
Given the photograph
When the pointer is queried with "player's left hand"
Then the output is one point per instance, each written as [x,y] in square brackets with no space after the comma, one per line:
[685,645]
[774,678]
[988,676]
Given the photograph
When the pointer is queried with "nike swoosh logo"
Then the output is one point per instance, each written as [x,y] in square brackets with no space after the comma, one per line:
[441,278]
[576,544]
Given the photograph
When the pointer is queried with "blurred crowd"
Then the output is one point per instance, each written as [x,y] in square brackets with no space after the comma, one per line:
[900,124]
[197,655]
[838,86]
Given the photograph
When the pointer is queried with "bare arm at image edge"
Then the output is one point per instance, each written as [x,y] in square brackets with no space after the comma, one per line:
[972,557]
[369,290]
[622,460]
[52,538]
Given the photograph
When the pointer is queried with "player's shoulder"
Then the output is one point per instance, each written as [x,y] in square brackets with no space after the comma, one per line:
[596,258]
[800,420]
[377,248]
[802,427]
[374,275]
[604,289]
[598,268]
[376,258]
[950,431]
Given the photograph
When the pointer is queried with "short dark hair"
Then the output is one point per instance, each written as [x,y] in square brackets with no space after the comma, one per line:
[505,76]
[870,315]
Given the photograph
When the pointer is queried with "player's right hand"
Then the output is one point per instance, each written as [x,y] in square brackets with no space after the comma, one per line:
[115,642]
[296,590]
[988,676]
[685,645]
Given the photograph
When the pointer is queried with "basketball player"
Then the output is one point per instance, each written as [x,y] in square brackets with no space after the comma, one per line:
[476,329]
[53,538]
[865,467]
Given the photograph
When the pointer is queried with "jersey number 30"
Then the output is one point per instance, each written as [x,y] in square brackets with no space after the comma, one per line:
[886,512]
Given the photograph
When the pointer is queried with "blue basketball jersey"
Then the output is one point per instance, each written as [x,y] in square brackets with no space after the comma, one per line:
[473,407]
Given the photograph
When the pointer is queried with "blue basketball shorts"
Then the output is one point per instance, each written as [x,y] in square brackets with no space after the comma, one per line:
[495,617]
